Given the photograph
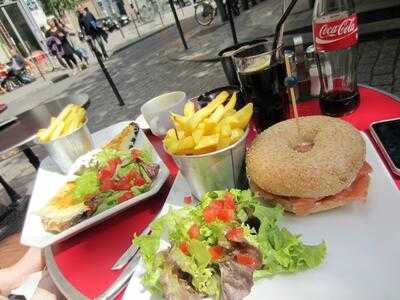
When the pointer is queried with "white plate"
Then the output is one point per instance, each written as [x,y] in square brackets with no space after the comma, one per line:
[49,180]
[363,242]
[142,123]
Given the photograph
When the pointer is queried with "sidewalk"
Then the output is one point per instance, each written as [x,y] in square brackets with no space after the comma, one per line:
[118,40]
[128,35]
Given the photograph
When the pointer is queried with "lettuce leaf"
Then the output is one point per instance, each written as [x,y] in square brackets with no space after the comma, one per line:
[86,184]
[102,157]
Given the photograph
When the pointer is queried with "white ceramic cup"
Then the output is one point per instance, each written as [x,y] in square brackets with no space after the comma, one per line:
[157,111]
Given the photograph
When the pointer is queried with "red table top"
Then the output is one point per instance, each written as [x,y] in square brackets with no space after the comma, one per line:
[86,258]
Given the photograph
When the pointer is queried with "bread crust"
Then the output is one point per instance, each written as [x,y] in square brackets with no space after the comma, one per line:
[330,166]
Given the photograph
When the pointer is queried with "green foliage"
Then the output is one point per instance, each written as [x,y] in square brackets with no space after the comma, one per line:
[57,7]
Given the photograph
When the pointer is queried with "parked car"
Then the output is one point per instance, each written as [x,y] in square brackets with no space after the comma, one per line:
[109,24]
[124,20]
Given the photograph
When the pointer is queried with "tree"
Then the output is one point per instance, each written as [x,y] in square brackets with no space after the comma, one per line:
[57,7]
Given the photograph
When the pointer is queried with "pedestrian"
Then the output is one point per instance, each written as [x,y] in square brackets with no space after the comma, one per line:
[90,27]
[55,49]
[68,51]
[78,51]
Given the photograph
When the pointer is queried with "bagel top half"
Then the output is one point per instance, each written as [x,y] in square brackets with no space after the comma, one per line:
[331,165]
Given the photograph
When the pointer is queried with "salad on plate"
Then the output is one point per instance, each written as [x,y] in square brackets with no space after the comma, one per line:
[219,247]
[110,178]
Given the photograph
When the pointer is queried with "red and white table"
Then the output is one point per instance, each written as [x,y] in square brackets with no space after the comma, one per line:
[80,266]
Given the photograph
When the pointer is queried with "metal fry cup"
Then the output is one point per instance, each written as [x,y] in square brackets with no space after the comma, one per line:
[66,149]
[217,170]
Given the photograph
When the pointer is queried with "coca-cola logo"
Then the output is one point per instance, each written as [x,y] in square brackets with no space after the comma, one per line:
[347,26]
[337,34]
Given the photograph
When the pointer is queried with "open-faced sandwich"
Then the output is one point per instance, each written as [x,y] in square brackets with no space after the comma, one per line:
[217,248]
[114,174]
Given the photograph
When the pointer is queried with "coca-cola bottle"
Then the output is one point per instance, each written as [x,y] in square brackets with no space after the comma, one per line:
[335,33]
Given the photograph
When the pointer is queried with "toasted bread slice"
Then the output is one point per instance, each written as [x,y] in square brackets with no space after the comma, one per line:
[63,211]
[123,140]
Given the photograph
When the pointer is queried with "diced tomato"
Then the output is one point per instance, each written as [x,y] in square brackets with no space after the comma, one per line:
[226,214]
[135,154]
[132,175]
[139,181]
[125,196]
[216,204]
[209,214]
[106,185]
[229,202]
[103,174]
[122,185]
[184,247]
[112,165]
[215,252]
[194,231]
[188,199]
[245,259]
[235,234]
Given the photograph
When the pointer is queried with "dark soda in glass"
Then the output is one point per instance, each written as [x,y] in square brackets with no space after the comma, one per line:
[265,88]
[339,103]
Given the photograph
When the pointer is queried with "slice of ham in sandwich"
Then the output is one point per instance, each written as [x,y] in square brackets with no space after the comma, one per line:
[357,191]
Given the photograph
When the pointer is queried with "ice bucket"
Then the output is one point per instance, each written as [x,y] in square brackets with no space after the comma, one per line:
[217,170]
[66,149]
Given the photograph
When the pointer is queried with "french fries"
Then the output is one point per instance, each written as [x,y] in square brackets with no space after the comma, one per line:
[70,119]
[213,127]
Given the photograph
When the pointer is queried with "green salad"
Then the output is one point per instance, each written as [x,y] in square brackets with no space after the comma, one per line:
[219,247]
[114,176]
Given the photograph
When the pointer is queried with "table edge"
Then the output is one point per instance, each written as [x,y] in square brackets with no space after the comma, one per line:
[394,97]
[58,278]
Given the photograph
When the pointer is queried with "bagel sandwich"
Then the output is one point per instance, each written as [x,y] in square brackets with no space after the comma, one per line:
[321,168]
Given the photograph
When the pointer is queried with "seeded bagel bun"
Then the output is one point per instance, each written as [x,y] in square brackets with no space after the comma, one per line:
[337,154]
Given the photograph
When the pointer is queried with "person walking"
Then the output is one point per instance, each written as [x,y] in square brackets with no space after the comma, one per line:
[90,28]
[68,51]
[78,51]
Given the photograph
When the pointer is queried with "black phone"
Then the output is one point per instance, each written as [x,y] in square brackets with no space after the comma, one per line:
[386,134]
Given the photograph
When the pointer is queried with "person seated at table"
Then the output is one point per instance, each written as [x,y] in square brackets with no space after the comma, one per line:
[19,65]
[14,276]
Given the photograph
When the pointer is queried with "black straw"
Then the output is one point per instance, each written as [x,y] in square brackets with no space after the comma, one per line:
[279,25]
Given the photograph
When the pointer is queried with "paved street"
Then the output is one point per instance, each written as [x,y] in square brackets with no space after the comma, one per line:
[144,70]
[140,73]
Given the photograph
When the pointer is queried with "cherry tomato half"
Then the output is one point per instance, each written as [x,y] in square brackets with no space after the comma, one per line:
[215,252]
[226,214]
[194,231]
[106,185]
[235,234]
[216,204]
[125,196]
[229,201]
[209,214]
[188,199]
[184,247]
[245,259]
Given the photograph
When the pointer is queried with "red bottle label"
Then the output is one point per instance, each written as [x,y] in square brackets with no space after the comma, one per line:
[334,35]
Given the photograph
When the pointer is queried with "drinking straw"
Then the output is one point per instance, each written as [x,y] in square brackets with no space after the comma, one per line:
[279,26]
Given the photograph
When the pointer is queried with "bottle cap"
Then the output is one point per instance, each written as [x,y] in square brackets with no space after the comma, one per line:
[310,51]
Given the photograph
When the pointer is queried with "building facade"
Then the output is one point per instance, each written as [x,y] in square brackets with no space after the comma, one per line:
[20,23]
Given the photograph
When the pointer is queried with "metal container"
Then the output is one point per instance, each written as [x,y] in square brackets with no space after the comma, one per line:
[217,170]
[66,149]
